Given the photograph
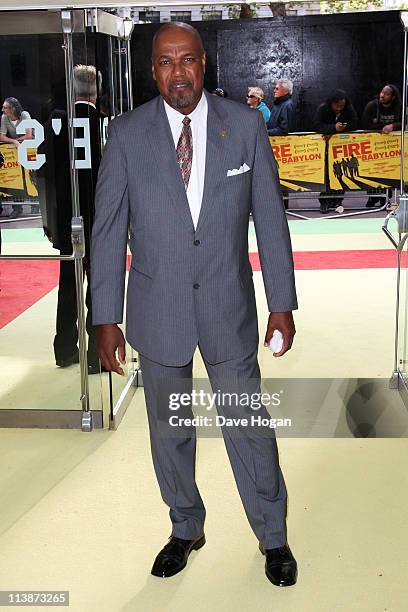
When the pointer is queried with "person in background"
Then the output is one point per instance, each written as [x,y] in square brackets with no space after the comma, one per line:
[104,106]
[87,85]
[255,98]
[382,114]
[281,120]
[13,115]
[282,112]
[334,116]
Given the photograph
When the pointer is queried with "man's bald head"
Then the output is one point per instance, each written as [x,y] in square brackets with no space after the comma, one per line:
[176,25]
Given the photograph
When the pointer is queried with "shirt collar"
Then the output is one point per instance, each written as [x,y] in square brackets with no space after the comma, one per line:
[175,117]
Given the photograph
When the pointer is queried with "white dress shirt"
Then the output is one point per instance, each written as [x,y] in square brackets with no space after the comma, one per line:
[199,134]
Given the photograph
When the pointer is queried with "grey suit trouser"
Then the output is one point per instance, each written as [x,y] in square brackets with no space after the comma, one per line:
[253,453]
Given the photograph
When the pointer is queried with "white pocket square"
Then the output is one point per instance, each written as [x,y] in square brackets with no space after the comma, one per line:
[241,170]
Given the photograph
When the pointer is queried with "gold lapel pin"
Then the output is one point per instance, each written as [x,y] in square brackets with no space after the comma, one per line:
[223,132]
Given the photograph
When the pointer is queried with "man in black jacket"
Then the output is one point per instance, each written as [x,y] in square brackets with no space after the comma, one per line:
[334,116]
[383,114]
[57,224]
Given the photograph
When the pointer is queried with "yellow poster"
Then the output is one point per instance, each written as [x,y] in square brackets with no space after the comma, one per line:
[300,161]
[13,177]
[364,160]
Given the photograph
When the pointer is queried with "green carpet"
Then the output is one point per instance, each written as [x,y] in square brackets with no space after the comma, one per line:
[326,226]
[332,226]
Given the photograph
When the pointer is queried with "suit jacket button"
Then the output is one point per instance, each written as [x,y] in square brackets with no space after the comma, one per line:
[196,286]
[196,242]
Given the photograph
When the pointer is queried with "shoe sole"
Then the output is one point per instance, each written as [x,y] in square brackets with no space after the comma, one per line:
[61,364]
[199,544]
[280,584]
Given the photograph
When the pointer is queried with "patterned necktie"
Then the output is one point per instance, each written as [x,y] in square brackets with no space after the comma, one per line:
[185,151]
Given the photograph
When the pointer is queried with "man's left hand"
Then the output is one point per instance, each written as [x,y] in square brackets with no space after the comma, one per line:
[283,321]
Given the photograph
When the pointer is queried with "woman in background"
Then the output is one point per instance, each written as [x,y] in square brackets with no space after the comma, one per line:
[13,115]
[255,98]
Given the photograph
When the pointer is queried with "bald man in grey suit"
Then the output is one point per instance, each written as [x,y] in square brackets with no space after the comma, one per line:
[184,172]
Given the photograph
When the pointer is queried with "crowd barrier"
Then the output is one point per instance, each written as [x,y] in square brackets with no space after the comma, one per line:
[348,162]
[17,184]
[306,163]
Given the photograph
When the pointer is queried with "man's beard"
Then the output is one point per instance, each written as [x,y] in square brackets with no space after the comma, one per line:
[182,99]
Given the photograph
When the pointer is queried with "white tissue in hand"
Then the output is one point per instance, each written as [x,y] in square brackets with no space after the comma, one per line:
[276,343]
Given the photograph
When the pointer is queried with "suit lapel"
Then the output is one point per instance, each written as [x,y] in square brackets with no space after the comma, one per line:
[216,154]
[162,143]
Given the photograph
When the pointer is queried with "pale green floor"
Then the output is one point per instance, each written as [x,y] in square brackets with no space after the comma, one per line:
[82,512]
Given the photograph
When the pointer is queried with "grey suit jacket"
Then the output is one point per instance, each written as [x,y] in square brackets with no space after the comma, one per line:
[188,286]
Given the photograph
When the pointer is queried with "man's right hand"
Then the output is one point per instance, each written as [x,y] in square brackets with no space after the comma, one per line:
[109,339]
[340,127]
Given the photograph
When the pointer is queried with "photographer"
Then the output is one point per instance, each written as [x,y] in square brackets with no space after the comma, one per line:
[334,116]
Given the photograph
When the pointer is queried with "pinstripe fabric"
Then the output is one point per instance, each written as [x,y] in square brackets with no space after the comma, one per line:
[140,183]
[191,286]
[254,457]
[173,457]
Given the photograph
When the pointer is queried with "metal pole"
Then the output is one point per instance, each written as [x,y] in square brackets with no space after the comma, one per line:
[129,73]
[37,257]
[119,55]
[396,368]
[112,77]
[77,236]
[404,103]
[401,204]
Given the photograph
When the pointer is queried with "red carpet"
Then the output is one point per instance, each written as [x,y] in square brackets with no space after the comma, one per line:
[23,283]
[340,260]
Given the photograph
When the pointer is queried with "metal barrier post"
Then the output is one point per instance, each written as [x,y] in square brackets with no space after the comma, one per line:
[77,226]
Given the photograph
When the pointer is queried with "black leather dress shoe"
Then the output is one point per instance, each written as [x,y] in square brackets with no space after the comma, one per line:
[173,557]
[280,565]
[68,361]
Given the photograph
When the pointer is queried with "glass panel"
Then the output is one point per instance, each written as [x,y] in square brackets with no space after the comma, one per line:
[32,83]
[29,377]
[180,16]
[115,96]
[403,318]
[35,220]
[38,314]
[402,347]
[149,16]
[209,15]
